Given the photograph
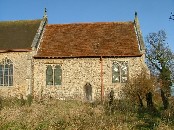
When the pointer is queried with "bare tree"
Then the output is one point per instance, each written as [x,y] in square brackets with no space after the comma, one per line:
[160,61]
[171,16]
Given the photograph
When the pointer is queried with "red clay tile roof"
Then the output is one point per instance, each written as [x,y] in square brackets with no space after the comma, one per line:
[89,39]
[17,35]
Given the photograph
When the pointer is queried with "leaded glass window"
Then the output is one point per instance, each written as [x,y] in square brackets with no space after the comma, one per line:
[49,75]
[53,75]
[57,75]
[124,72]
[115,73]
[6,72]
[119,72]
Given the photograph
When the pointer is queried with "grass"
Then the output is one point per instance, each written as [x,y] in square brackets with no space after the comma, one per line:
[54,114]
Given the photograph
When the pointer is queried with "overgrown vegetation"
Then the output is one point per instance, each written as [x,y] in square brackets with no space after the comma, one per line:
[52,114]
[141,107]
[140,89]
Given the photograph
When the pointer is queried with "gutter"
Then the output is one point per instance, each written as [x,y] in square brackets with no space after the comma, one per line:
[30,76]
[64,57]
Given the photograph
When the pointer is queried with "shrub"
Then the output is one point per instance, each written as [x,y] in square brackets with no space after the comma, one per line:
[138,87]
[10,102]
[1,103]
[29,99]
[21,100]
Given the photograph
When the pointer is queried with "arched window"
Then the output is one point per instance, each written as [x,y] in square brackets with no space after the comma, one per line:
[119,72]
[57,75]
[49,75]
[6,72]
[88,91]
[115,73]
[53,75]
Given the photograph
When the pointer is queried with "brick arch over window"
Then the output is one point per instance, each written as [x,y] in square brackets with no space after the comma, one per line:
[6,72]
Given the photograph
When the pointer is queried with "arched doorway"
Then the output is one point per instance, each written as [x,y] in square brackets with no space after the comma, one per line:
[88,91]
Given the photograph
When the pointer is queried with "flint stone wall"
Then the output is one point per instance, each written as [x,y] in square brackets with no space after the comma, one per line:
[21,74]
[76,72]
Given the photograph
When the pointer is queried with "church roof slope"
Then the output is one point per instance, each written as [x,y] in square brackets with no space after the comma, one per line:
[89,39]
[17,35]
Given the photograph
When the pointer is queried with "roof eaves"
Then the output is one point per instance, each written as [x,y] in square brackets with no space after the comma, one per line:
[15,50]
[116,56]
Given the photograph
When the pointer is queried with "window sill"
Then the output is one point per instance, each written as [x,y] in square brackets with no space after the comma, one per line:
[53,85]
[6,86]
[119,83]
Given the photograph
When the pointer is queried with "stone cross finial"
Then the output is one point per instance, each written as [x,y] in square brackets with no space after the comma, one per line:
[135,14]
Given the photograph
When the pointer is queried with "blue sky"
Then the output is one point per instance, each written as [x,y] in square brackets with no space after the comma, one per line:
[153,14]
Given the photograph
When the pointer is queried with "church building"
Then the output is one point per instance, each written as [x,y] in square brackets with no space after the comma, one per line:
[82,61]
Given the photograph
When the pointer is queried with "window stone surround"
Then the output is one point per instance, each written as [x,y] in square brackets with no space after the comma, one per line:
[21,74]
